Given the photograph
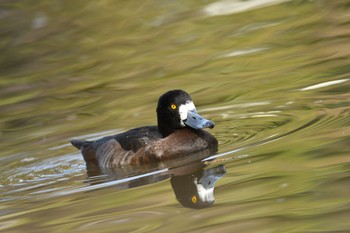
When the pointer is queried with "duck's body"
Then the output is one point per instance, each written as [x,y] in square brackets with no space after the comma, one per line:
[179,132]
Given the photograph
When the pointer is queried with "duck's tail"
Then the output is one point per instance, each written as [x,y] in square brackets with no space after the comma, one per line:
[87,150]
[77,143]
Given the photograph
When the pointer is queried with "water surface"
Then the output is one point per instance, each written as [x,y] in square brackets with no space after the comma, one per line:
[273,75]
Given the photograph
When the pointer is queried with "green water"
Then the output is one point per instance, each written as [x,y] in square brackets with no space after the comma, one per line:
[273,75]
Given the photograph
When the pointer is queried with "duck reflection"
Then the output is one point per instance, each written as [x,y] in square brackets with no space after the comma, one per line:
[196,190]
[193,183]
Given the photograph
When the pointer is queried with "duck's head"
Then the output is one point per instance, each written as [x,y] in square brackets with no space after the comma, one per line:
[176,110]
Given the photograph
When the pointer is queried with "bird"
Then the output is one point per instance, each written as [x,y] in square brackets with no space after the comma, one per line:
[179,132]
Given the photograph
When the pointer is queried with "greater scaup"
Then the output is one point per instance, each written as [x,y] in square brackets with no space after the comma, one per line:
[179,133]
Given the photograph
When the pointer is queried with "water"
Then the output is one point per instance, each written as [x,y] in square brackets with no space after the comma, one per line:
[273,75]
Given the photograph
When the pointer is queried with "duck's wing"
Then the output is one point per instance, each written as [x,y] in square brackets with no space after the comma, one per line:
[117,148]
[120,149]
[137,138]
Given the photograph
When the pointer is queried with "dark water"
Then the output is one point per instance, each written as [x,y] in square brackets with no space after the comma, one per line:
[273,75]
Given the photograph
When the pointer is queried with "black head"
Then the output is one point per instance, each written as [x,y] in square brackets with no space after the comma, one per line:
[176,110]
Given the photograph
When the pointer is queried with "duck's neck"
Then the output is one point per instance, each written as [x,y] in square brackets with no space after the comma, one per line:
[167,123]
[165,130]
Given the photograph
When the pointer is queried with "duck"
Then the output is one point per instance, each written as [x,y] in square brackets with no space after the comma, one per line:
[179,132]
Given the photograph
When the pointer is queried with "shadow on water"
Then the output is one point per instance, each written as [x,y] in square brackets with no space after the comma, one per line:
[196,189]
[192,180]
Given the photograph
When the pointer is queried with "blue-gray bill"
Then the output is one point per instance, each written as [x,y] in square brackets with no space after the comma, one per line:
[196,121]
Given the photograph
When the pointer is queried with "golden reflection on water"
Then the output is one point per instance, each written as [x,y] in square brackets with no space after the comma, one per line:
[93,69]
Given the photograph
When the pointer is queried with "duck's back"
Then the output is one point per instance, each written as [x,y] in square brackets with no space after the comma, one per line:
[133,139]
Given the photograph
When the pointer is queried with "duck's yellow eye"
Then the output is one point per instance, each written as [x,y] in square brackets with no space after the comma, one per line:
[173,106]
[194,199]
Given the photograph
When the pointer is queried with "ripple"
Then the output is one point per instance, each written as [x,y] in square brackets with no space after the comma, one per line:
[227,7]
[324,84]
[242,52]
[42,176]
[246,136]
[250,126]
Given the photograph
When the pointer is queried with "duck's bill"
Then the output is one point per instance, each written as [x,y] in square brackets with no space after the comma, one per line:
[196,121]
